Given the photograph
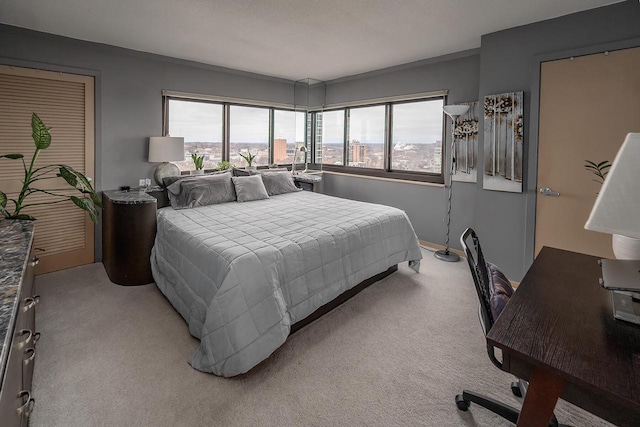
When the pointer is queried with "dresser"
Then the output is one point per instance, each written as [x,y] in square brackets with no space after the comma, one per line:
[17,321]
[128,234]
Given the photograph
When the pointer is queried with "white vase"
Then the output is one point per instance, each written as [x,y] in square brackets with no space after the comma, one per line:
[251,168]
[625,247]
[197,172]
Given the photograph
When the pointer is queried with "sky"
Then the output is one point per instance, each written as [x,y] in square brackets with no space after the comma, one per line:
[413,123]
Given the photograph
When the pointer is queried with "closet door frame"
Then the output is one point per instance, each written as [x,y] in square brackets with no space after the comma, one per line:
[93,169]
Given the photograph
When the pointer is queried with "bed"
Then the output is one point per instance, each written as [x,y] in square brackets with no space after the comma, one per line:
[241,274]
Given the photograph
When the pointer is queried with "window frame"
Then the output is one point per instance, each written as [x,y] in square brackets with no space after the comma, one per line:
[387,171]
[226,125]
[310,137]
[225,116]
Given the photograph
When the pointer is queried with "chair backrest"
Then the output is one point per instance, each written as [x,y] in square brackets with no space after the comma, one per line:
[480,273]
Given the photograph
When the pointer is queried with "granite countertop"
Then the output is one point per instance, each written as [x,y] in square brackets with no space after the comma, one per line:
[308,177]
[16,238]
[132,197]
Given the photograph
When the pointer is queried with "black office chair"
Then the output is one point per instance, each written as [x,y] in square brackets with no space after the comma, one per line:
[491,305]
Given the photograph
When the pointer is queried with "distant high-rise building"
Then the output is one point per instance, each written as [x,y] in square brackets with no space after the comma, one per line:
[357,154]
[279,150]
[318,140]
[437,155]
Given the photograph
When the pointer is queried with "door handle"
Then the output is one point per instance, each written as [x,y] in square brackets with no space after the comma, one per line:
[546,191]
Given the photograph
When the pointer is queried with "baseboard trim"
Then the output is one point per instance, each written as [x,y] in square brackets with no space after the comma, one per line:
[437,247]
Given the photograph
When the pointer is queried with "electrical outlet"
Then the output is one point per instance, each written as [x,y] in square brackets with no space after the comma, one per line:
[141,182]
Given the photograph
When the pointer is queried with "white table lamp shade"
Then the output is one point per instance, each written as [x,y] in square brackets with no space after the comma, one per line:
[165,149]
[617,208]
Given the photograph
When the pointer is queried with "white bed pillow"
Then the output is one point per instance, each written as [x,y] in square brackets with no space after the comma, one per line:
[249,188]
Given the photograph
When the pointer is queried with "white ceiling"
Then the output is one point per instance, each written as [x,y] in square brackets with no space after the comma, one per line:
[293,39]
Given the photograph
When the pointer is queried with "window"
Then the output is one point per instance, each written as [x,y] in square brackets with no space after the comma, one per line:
[200,124]
[332,139]
[248,133]
[366,137]
[396,139]
[399,138]
[288,131]
[417,136]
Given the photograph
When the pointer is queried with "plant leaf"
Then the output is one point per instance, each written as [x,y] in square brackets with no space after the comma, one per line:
[67,174]
[40,133]
[3,200]
[87,205]
[13,156]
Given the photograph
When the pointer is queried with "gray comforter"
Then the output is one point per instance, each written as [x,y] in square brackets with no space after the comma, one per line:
[241,273]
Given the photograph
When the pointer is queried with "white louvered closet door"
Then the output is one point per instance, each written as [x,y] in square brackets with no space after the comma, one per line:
[64,102]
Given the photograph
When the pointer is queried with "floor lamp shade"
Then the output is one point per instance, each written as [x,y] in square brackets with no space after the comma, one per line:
[455,110]
[165,149]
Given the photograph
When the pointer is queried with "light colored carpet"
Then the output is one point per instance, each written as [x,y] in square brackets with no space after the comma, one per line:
[396,354]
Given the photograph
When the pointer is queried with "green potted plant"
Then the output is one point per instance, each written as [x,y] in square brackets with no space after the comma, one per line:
[223,166]
[198,162]
[249,159]
[87,200]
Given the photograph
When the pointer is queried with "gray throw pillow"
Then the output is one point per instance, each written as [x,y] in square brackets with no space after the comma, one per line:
[167,181]
[249,172]
[249,188]
[244,172]
[202,191]
[279,183]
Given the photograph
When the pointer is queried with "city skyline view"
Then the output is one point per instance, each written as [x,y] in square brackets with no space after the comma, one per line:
[199,121]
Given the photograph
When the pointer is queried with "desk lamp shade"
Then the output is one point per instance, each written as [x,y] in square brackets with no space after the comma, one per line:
[617,208]
[164,149]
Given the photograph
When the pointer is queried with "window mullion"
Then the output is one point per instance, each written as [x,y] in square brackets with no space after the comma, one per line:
[345,138]
[271,143]
[225,132]
[388,142]
[312,135]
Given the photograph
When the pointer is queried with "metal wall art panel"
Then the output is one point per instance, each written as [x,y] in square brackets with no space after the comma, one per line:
[503,142]
[465,144]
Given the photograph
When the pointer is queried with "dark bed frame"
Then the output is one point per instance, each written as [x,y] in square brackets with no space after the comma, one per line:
[343,297]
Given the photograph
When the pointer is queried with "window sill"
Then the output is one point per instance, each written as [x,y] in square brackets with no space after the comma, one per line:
[379,178]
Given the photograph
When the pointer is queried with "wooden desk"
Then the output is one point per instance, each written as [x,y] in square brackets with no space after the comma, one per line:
[558,333]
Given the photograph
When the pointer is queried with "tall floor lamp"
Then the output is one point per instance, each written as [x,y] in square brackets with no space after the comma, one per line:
[453,111]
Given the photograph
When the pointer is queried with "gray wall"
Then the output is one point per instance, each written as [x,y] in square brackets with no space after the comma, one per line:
[128,94]
[505,63]
[128,110]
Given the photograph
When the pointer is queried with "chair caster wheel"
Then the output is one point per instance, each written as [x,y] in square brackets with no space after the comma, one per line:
[462,404]
[515,389]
